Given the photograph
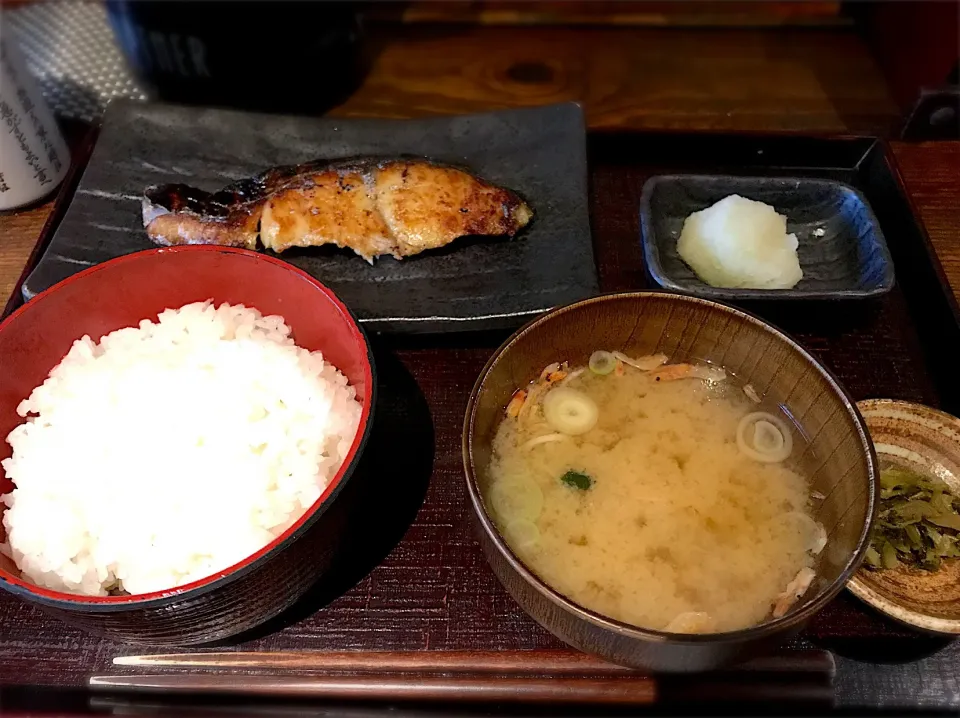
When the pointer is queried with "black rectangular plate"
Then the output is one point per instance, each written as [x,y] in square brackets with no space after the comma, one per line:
[483,284]
[841,248]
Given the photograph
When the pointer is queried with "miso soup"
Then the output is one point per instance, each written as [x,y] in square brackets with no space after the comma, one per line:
[655,494]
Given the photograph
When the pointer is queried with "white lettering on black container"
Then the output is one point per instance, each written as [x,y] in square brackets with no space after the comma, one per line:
[33,156]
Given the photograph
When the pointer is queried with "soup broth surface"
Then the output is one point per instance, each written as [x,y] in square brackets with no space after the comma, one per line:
[654,516]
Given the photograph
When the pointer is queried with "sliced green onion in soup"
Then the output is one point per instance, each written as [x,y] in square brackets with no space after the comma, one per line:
[602,363]
[764,437]
[516,498]
[691,622]
[570,411]
[521,534]
[814,535]
[545,439]
[767,438]
[647,363]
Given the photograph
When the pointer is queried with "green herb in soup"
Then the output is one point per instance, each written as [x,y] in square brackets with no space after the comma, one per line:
[577,480]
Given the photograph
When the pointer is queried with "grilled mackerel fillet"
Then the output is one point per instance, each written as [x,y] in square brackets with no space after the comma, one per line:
[374,207]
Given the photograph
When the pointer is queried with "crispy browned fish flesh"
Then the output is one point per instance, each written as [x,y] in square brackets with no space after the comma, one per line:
[374,207]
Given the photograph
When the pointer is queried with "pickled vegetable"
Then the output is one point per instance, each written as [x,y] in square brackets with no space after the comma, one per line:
[889,555]
[918,524]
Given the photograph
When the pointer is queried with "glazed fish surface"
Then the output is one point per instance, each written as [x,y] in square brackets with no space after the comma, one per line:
[374,207]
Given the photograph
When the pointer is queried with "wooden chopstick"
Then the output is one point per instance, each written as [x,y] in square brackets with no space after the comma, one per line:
[538,676]
[535,662]
[627,690]
[511,662]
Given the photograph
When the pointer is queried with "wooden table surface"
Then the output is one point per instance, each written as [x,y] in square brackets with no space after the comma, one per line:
[931,172]
[729,80]
[734,79]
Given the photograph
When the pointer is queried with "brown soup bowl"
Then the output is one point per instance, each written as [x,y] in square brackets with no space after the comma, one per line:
[685,329]
[120,293]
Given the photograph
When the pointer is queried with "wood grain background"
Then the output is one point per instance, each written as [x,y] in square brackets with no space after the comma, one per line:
[736,79]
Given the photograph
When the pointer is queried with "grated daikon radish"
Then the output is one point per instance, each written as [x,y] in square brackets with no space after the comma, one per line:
[740,243]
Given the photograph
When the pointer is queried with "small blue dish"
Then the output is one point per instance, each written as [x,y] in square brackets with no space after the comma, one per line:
[841,249]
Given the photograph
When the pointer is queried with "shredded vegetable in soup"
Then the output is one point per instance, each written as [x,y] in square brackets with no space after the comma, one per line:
[655,493]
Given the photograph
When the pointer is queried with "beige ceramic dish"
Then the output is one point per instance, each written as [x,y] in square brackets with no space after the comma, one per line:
[926,440]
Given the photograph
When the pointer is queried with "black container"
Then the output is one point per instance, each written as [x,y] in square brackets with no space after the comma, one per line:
[301,57]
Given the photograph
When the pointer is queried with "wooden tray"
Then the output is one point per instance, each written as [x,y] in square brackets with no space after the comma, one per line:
[418,581]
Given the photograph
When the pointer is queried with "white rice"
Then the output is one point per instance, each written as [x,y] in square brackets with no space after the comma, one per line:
[169,452]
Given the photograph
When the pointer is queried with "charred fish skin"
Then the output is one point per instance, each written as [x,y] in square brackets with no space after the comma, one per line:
[374,206]
[180,214]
